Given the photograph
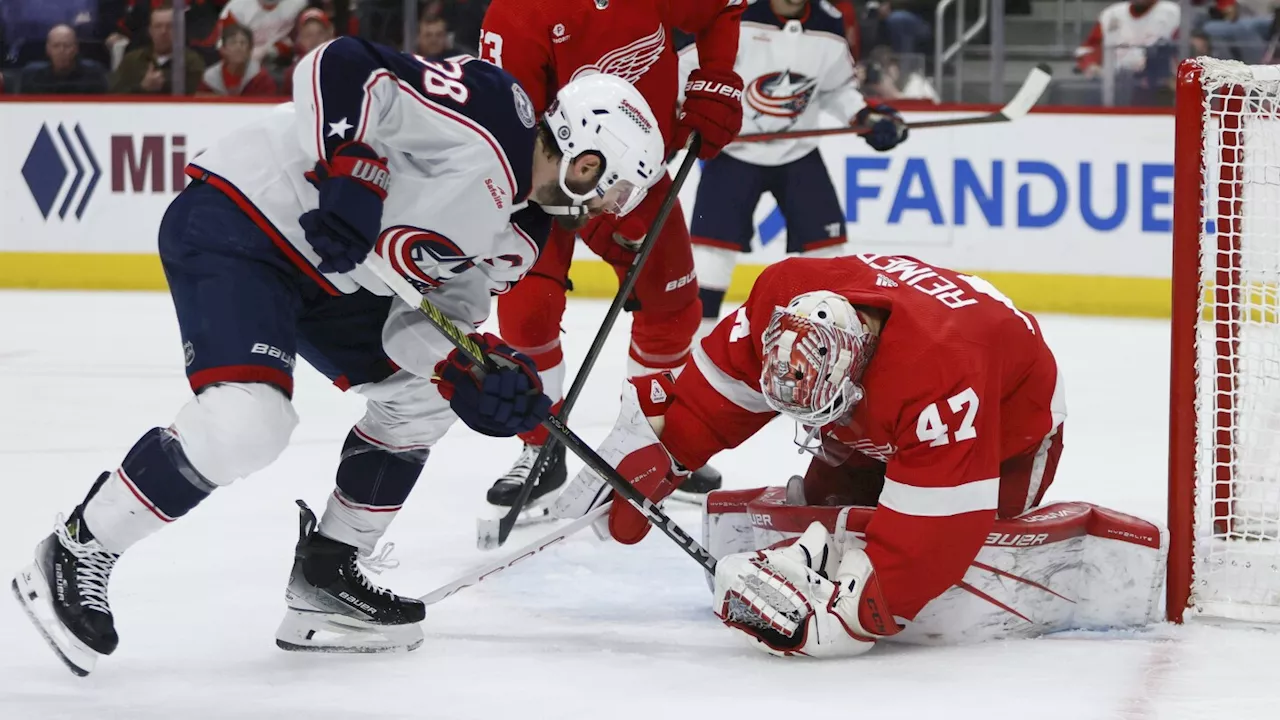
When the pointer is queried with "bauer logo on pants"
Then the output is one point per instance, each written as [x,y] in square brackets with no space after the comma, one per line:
[61,171]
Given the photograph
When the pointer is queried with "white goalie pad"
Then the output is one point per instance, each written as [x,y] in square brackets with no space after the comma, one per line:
[1065,566]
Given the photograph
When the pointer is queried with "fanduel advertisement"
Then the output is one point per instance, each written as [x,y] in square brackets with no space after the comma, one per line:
[1052,193]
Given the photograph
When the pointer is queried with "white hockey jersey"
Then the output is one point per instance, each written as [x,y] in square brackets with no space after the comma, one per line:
[791,69]
[458,136]
[271,26]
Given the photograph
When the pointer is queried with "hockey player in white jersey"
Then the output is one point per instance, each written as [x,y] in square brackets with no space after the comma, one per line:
[433,162]
[795,65]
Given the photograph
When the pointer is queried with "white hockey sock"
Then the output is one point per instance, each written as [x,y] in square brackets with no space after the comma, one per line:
[119,515]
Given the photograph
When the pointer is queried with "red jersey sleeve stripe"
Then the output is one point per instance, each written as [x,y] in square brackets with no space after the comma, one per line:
[940,501]
[732,389]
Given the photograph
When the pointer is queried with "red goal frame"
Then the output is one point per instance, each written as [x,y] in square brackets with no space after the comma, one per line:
[1190,219]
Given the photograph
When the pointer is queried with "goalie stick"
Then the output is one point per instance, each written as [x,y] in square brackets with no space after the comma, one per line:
[1032,88]
[554,426]
[491,533]
[479,574]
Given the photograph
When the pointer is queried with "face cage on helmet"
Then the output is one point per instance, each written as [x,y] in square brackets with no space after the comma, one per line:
[830,350]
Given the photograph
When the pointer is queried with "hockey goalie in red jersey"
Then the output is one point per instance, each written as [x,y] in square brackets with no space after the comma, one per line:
[547,43]
[935,411]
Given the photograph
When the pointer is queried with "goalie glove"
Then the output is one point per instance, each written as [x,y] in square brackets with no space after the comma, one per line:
[634,450]
[811,598]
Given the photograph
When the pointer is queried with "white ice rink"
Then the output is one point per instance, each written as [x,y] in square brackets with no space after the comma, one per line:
[586,631]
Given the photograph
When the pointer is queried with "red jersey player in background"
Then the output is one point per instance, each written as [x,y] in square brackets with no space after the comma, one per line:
[547,43]
[922,391]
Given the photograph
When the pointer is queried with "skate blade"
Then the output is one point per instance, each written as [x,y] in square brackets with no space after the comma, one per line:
[304,631]
[32,591]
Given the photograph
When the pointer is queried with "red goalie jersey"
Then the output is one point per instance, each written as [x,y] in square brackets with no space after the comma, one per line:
[547,43]
[962,411]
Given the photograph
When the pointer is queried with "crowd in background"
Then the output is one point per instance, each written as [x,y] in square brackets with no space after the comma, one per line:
[249,47]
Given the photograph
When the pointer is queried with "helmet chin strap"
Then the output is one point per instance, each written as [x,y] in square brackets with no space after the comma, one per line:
[565,210]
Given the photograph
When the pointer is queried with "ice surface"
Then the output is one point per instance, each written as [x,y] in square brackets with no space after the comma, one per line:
[585,631]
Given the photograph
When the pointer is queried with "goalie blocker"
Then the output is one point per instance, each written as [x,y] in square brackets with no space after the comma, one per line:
[1064,566]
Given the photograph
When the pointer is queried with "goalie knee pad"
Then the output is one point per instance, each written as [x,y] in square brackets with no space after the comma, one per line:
[232,430]
[529,318]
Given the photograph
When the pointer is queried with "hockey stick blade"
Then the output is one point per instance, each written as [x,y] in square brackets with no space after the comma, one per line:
[487,533]
[477,575]
[558,430]
[1028,94]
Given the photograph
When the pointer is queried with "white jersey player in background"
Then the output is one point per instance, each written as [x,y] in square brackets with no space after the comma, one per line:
[262,253]
[795,66]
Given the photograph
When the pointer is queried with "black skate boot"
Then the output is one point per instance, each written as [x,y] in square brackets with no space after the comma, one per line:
[334,608]
[64,592]
[504,492]
[694,489]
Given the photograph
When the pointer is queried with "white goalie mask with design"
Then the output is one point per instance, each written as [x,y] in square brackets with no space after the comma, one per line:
[606,116]
[814,353]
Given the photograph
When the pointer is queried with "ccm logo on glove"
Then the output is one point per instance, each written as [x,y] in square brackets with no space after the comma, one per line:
[712,87]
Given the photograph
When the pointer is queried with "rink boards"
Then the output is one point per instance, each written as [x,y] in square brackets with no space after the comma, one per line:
[1067,212]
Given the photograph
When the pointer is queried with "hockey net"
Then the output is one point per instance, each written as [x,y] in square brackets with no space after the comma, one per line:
[1224,462]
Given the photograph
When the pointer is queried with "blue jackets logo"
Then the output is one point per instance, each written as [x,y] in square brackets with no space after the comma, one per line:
[61,171]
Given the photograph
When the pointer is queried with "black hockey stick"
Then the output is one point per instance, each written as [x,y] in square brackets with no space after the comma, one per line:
[1032,88]
[491,533]
[558,429]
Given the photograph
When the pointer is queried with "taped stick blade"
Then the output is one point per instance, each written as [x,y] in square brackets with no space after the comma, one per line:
[487,532]
[1029,94]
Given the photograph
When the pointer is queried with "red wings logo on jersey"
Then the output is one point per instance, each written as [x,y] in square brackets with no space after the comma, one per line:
[424,257]
[630,61]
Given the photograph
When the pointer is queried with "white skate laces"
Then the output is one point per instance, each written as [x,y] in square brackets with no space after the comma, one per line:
[380,562]
[524,464]
[93,568]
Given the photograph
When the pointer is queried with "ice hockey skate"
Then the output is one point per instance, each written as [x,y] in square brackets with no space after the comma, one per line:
[333,607]
[504,492]
[64,592]
[694,489]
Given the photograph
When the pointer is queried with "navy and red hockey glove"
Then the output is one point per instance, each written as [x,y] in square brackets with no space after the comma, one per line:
[887,126]
[353,185]
[507,401]
[713,107]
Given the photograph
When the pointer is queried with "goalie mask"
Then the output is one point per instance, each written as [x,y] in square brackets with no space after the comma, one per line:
[605,115]
[815,351]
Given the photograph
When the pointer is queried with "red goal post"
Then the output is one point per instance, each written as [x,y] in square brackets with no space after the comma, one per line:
[1224,429]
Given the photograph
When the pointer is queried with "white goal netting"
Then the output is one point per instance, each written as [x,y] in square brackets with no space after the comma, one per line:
[1237,494]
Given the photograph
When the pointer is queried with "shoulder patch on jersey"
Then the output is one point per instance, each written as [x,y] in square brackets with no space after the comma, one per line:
[524,106]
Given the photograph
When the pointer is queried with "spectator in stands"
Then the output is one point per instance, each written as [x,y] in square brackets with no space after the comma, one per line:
[1238,32]
[341,16]
[271,22]
[65,72]
[149,69]
[902,30]
[314,29]
[433,38]
[27,22]
[201,16]
[237,74]
[1124,32]
[463,18]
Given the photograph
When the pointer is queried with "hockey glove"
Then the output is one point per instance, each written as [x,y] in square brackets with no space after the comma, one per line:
[615,239]
[713,107]
[811,598]
[506,402]
[353,186]
[887,126]
[634,450]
